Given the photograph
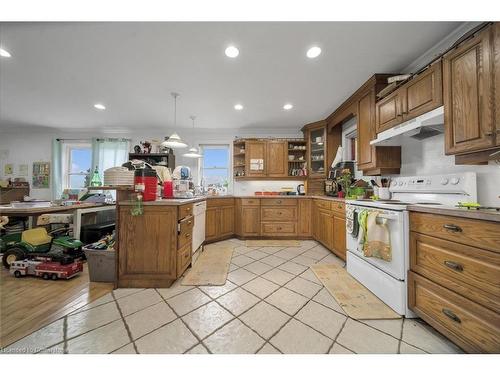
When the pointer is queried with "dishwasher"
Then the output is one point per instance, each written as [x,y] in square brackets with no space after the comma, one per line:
[199,210]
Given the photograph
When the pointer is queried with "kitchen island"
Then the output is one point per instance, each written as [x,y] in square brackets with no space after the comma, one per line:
[154,249]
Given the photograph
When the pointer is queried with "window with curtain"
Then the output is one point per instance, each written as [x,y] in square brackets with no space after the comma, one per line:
[77,160]
[214,167]
[109,152]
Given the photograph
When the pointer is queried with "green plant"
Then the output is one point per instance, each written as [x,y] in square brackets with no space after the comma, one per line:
[345,180]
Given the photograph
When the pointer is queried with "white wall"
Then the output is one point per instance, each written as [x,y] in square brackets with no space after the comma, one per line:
[427,157]
[25,147]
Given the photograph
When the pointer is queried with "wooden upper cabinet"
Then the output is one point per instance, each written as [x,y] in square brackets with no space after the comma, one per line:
[389,111]
[277,163]
[420,95]
[496,64]
[315,134]
[423,93]
[365,130]
[468,76]
[255,150]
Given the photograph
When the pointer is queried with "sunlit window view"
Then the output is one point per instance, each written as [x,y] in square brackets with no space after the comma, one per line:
[215,168]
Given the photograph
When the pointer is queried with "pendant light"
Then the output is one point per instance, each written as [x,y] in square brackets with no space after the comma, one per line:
[193,151]
[174,141]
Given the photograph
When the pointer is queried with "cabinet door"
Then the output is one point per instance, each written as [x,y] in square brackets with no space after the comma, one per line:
[226,221]
[326,228]
[305,217]
[339,236]
[468,97]
[365,131]
[423,93]
[389,111]
[277,159]
[211,223]
[250,220]
[255,151]
[147,244]
[317,152]
[496,64]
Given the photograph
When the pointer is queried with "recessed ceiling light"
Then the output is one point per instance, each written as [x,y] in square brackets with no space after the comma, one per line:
[4,53]
[232,52]
[238,107]
[287,106]
[100,106]
[313,52]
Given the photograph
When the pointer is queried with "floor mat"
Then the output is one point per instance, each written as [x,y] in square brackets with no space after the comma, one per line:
[356,300]
[262,243]
[212,266]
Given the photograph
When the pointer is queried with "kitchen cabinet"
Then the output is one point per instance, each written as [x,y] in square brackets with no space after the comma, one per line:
[154,248]
[316,137]
[453,283]
[256,151]
[304,218]
[329,225]
[220,215]
[325,218]
[261,159]
[250,221]
[277,158]
[423,93]
[279,217]
[469,94]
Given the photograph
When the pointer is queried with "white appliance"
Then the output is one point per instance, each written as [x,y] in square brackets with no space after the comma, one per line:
[387,280]
[421,127]
[199,210]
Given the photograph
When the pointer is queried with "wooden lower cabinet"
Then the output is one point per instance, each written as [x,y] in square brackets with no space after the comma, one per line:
[250,221]
[153,248]
[219,219]
[328,225]
[339,236]
[304,220]
[454,278]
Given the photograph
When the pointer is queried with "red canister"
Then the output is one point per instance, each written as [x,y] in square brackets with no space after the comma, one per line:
[145,181]
[168,189]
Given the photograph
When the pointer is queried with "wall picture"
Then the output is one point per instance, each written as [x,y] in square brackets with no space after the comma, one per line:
[41,175]
[8,169]
[23,170]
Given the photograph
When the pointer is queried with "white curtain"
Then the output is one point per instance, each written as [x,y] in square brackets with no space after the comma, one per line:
[56,169]
[109,152]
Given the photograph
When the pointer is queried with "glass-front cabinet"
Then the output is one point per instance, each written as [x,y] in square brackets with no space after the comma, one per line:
[316,138]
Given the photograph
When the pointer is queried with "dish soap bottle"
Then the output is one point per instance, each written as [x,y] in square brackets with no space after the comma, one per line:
[96,179]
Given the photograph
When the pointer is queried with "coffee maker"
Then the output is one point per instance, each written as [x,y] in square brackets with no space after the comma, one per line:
[332,188]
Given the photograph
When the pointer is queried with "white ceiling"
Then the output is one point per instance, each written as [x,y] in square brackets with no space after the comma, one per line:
[59,70]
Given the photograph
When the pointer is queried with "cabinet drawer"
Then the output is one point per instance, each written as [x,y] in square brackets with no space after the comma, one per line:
[278,213]
[185,232]
[185,210]
[469,271]
[278,229]
[183,259]
[477,233]
[220,202]
[324,204]
[338,207]
[250,202]
[469,325]
[279,202]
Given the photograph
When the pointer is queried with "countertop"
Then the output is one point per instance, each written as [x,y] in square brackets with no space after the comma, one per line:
[179,202]
[10,211]
[458,212]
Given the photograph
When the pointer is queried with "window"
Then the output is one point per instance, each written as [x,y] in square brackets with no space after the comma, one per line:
[214,167]
[76,164]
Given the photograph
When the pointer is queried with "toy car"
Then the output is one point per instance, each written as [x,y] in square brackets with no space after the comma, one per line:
[46,270]
[38,241]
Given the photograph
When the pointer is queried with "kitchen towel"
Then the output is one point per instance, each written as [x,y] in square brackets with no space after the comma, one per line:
[352,224]
[378,240]
[362,216]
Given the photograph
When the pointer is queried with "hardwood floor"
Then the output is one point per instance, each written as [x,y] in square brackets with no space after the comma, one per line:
[29,303]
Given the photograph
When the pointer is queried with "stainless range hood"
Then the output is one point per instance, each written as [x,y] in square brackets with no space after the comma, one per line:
[424,126]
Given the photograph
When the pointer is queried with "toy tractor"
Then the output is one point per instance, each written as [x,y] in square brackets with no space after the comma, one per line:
[56,244]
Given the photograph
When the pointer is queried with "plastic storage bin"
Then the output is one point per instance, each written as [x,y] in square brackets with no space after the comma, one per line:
[101,265]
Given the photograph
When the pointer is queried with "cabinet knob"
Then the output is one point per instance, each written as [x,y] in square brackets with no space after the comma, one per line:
[454,265]
[488,134]
[450,314]
[452,228]
[188,235]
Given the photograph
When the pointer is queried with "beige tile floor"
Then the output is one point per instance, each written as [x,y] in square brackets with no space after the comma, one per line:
[271,303]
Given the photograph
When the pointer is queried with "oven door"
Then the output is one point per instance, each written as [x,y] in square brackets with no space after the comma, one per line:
[397,225]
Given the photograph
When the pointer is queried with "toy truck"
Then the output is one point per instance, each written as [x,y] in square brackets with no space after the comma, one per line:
[46,270]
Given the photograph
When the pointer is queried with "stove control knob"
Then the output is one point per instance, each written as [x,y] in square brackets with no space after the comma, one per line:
[401,183]
[454,181]
[394,183]
[444,181]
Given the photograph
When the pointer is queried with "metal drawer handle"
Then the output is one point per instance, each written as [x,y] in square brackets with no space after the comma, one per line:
[450,314]
[188,234]
[189,222]
[452,227]
[454,265]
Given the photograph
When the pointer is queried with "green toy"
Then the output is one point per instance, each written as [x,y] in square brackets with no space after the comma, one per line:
[38,242]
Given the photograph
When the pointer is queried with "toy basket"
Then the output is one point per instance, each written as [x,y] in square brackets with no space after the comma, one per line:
[101,265]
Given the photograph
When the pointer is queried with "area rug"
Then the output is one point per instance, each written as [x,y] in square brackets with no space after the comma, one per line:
[262,243]
[356,300]
[211,267]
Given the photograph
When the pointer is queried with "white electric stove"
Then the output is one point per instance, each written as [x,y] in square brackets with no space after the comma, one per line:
[387,280]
